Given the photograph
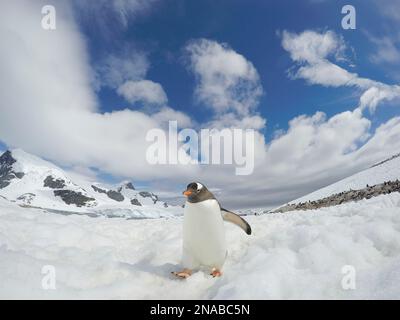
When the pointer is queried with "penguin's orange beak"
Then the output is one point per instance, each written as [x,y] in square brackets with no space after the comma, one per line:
[187,193]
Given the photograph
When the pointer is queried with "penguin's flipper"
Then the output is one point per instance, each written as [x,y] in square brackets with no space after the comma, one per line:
[236,219]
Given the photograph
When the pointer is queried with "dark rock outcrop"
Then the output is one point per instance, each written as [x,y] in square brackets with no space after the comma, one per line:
[128,186]
[115,195]
[73,197]
[136,202]
[26,198]
[99,190]
[146,194]
[346,196]
[52,183]
[7,174]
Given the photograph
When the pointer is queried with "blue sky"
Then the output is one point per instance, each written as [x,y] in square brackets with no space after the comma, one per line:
[148,41]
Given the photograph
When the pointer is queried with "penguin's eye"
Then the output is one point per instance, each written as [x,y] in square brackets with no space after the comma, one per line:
[192,186]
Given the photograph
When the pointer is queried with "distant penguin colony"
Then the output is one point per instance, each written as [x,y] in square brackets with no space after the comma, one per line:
[204,243]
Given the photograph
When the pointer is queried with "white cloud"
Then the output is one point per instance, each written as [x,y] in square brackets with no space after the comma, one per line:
[143,90]
[384,142]
[317,140]
[326,74]
[231,120]
[312,47]
[314,152]
[121,11]
[166,114]
[113,71]
[387,49]
[227,82]
[311,50]
[375,95]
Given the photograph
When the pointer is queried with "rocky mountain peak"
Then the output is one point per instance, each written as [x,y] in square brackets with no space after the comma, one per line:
[129,185]
[7,159]
[7,174]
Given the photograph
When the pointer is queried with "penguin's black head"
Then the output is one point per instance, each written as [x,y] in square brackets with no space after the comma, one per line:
[197,192]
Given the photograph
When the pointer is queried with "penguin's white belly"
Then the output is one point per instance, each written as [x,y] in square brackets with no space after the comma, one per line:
[203,235]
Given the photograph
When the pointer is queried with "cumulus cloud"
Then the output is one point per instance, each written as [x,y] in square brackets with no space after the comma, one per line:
[316,139]
[375,95]
[326,74]
[312,47]
[227,81]
[311,51]
[143,90]
[384,142]
[166,114]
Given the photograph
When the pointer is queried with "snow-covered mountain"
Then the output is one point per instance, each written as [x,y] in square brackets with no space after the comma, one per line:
[381,178]
[33,182]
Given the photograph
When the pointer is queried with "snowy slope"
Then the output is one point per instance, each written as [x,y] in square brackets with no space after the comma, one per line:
[32,181]
[386,171]
[293,255]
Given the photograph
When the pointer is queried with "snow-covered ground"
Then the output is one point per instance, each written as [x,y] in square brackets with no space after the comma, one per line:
[292,255]
[388,170]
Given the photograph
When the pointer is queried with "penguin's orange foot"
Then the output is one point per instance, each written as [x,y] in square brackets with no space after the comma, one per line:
[185,273]
[216,273]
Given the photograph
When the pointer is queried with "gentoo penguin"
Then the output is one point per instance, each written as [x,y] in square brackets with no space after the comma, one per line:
[204,243]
